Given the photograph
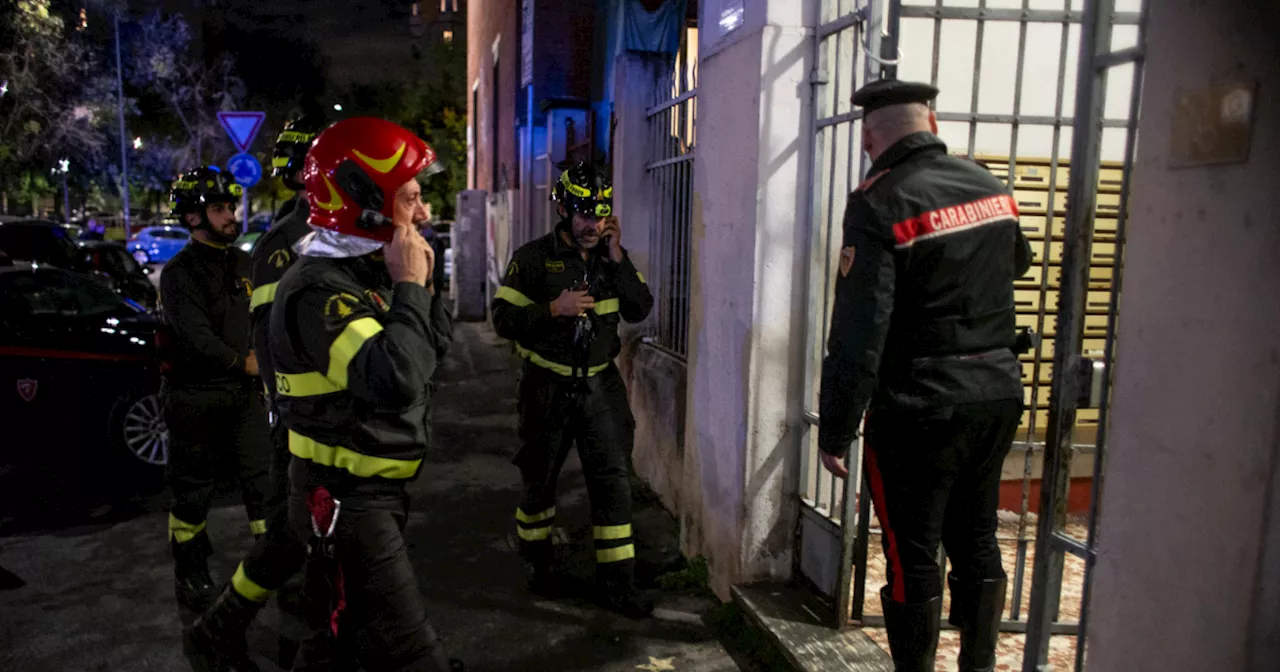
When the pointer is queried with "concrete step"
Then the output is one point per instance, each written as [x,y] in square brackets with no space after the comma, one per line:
[806,642]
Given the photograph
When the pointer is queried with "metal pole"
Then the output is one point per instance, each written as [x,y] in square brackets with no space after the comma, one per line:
[244,210]
[124,140]
[66,201]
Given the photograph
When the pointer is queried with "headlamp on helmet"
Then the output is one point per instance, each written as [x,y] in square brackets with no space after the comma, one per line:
[583,189]
[202,186]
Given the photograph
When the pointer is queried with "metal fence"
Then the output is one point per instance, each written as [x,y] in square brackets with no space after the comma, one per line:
[1070,296]
[672,140]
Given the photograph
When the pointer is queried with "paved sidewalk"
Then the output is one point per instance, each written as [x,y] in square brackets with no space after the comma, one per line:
[99,593]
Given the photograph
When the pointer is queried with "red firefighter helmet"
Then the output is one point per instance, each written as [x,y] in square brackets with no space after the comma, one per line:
[353,171]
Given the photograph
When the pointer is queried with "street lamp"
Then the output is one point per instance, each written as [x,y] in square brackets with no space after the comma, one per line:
[64,166]
[137,142]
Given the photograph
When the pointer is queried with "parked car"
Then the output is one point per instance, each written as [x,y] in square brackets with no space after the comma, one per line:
[158,244]
[40,241]
[111,263]
[82,364]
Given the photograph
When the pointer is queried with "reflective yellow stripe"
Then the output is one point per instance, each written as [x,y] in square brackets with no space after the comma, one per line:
[535,518]
[247,588]
[280,162]
[346,346]
[182,530]
[262,296]
[513,297]
[641,276]
[606,532]
[308,384]
[616,554]
[536,534]
[364,466]
[606,306]
[561,369]
[257,527]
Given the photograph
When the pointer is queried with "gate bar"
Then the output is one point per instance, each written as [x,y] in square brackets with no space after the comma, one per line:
[847,21]
[1029,119]
[1086,147]
[1015,15]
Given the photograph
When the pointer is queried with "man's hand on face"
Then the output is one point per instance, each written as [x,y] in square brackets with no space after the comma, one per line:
[611,230]
[409,258]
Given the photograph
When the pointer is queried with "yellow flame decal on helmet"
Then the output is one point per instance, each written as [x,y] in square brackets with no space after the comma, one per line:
[383,165]
[335,199]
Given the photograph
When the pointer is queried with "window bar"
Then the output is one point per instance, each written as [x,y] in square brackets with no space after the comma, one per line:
[937,44]
[1104,407]
[977,79]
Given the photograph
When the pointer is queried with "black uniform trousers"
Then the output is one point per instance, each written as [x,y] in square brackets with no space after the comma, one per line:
[556,412]
[934,476]
[384,626]
[213,431]
[280,553]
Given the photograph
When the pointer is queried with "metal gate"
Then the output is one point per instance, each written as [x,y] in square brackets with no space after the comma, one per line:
[1013,122]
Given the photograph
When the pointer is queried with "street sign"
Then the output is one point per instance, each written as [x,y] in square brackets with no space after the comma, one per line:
[241,127]
[245,169]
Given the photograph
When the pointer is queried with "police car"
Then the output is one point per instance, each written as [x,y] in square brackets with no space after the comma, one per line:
[78,365]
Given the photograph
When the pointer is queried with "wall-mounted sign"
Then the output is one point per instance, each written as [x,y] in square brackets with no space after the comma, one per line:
[731,16]
[1213,125]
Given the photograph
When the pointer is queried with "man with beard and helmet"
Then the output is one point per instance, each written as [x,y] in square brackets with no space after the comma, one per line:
[212,402]
[216,641]
[357,332]
[561,302]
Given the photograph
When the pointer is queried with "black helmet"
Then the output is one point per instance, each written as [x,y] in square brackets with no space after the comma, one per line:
[291,147]
[201,186]
[585,190]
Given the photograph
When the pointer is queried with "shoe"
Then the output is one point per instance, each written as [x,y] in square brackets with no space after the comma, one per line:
[616,590]
[913,632]
[976,608]
[192,584]
[539,569]
[215,642]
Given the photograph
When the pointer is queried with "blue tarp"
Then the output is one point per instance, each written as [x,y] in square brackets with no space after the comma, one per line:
[657,31]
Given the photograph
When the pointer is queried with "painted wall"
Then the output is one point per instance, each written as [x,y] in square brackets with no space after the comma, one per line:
[489,21]
[1190,530]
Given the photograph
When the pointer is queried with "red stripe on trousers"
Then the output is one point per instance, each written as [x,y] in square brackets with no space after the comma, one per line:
[898,591]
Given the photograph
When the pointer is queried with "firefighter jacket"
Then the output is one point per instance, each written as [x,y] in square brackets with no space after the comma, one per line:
[204,301]
[924,312]
[272,256]
[354,360]
[537,274]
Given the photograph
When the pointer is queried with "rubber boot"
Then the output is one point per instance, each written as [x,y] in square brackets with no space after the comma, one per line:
[539,568]
[216,641]
[616,590]
[193,586]
[913,632]
[976,608]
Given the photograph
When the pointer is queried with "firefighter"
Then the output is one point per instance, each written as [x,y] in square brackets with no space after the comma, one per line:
[922,332]
[561,302]
[212,404]
[357,332]
[216,641]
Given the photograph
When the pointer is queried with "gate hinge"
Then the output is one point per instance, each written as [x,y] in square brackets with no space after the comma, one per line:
[817,77]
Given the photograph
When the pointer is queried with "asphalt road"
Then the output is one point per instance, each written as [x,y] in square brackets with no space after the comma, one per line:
[87,580]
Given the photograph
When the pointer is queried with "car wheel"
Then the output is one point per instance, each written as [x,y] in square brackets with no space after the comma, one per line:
[141,257]
[137,427]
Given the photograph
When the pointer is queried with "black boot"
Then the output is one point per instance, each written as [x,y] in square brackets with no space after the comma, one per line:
[193,586]
[216,641]
[616,590]
[539,568]
[913,632]
[976,608]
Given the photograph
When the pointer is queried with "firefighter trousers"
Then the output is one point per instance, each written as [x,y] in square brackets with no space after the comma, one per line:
[279,554]
[213,431]
[555,413]
[934,475]
[384,626]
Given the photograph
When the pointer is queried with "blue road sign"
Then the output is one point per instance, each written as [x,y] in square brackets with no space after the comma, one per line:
[241,127]
[245,169]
